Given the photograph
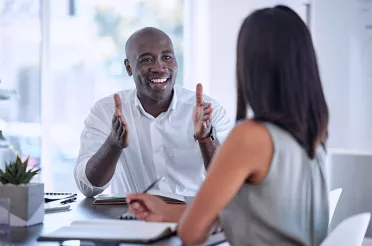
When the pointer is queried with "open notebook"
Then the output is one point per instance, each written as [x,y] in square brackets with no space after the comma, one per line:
[110,230]
[111,199]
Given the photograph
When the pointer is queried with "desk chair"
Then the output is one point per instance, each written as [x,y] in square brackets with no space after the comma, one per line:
[349,232]
[334,196]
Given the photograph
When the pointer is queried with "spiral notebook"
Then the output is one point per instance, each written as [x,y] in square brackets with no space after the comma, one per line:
[55,196]
[58,201]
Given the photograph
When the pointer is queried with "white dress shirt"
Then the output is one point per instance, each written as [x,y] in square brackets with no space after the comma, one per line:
[158,147]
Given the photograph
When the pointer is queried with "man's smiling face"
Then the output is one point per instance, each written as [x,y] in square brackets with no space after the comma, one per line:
[151,61]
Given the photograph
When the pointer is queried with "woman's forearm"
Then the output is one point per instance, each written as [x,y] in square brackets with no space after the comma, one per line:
[174,213]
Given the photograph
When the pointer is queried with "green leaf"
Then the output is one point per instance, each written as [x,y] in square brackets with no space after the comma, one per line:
[19,174]
[3,181]
[24,166]
[28,177]
[18,159]
[7,179]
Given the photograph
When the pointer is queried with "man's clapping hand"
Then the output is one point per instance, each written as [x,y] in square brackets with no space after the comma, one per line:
[119,129]
[202,115]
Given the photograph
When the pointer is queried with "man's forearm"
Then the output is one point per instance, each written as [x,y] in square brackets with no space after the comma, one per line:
[101,166]
[208,150]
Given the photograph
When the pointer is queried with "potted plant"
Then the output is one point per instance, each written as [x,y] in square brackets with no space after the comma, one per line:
[27,199]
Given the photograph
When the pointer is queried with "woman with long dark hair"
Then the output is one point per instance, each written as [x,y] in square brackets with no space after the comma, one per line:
[266,184]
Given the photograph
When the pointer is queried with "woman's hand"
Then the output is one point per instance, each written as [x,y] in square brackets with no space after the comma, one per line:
[151,208]
[147,207]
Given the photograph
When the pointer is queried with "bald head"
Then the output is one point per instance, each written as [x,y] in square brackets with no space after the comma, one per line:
[150,57]
[143,36]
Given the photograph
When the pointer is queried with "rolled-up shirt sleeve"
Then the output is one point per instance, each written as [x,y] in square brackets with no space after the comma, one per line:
[96,130]
[221,122]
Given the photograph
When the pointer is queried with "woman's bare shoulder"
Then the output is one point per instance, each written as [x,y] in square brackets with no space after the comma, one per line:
[250,131]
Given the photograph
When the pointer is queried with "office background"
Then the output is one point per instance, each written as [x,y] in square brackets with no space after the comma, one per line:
[60,56]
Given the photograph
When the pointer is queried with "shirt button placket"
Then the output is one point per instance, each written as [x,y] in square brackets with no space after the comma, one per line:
[158,153]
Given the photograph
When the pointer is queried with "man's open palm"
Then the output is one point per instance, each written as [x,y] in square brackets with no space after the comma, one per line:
[202,115]
[119,131]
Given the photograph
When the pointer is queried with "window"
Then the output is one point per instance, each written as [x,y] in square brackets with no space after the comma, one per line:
[86,52]
[20,38]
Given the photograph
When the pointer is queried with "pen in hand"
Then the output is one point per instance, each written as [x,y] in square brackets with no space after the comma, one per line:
[149,188]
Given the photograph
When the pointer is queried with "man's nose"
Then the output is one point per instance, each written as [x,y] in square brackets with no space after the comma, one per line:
[158,67]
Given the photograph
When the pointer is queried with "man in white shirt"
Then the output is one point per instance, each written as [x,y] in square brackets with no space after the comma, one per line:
[157,130]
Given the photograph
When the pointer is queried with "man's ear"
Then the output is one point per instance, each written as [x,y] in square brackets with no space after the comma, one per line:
[127,67]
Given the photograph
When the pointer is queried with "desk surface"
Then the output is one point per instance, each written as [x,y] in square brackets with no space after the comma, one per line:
[81,210]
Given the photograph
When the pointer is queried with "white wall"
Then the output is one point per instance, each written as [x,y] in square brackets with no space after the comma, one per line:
[327,50]
[214,30]
[342,33]
[211,58]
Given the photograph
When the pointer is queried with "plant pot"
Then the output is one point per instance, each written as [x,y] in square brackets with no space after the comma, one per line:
[26,203]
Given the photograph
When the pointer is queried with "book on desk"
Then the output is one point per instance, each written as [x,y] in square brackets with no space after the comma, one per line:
[121,231]
[112,199]
[111,230]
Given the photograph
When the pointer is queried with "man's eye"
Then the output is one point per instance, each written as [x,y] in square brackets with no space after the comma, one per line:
[167,57]
[145,60]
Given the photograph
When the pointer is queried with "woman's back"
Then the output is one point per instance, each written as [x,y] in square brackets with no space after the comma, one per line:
[289,207]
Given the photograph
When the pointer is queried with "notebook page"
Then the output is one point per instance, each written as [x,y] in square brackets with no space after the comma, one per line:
[116,222]
[110,196]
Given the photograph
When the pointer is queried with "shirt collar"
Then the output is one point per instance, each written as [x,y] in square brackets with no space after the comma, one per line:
[140,111]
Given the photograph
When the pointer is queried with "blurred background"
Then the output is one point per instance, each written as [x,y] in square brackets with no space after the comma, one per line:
[57,57]
[82,43]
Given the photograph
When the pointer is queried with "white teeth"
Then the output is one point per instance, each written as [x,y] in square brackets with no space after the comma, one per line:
[158,80]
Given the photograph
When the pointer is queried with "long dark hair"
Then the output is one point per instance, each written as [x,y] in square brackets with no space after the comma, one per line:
[278,77]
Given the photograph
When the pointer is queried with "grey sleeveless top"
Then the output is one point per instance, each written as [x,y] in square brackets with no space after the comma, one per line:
[289,207]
